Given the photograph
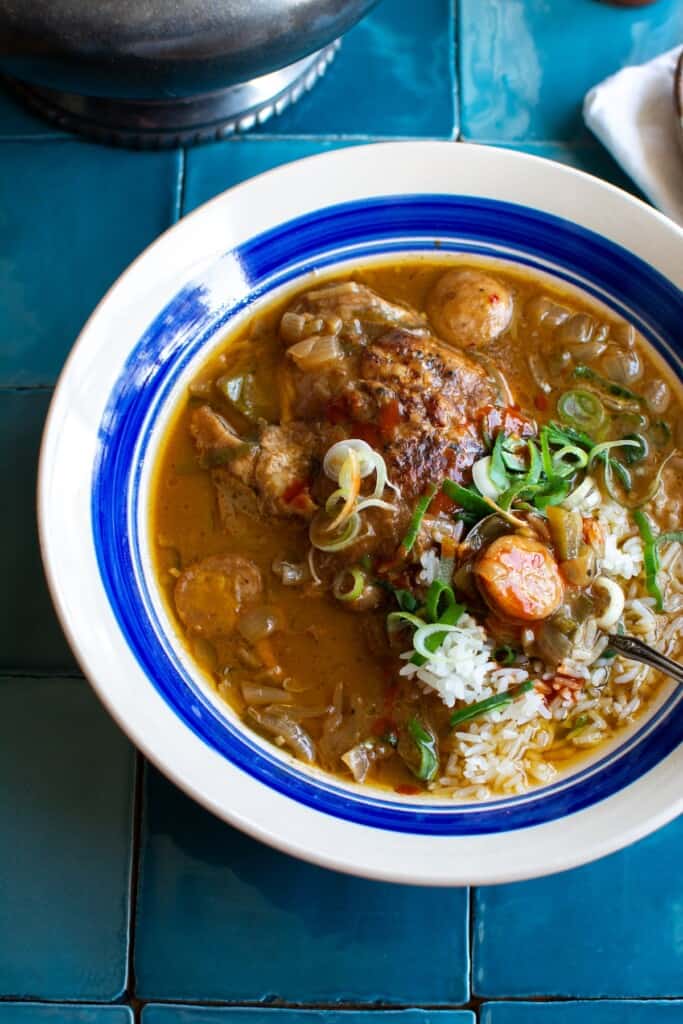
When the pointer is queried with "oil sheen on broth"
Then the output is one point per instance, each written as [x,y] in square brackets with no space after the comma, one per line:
[398,514]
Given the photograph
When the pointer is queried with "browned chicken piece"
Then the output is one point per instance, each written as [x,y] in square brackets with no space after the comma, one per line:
[211,594]
[435,385]
[392,383]
[351,301]
[279,466]
[469,308]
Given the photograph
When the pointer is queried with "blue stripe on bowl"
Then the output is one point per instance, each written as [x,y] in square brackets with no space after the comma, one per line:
[356,230]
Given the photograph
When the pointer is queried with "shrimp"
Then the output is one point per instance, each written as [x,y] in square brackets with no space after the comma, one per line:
[519,578]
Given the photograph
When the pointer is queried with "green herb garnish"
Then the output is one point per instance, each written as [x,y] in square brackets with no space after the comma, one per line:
[482,707]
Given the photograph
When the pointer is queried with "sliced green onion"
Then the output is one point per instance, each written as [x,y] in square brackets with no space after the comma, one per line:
[512,456]
[671,537]
[466,497]
[426,744]
[554,494]
[406,601]
[568,460]
[559,435]
[347,535]
[608,386]
[359,580]
[497,472]
[439,594]
[395,621]
[482,707]
[600,450]
[505,655]
[634,455]
[425,633]
[660,432]
[581,722]
[481,476]
[650,557]
[582,409]
[416,519]
[535,465]
[621,471]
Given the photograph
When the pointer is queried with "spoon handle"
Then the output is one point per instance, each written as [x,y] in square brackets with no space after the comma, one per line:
[636,650]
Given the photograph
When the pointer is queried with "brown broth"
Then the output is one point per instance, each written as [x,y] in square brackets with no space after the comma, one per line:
[322,644]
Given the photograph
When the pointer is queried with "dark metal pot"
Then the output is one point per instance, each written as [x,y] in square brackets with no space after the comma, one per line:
[167,71]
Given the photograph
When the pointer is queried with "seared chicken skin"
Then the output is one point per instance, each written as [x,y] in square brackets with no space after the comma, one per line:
[355,365]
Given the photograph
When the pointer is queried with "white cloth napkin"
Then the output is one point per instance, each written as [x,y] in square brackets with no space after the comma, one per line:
[634,116]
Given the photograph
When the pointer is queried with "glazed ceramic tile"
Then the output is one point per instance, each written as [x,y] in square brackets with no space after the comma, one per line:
[66,806]
[619,1012]
[251,1015]
[612,928]
[525,65]
[212,169]
[30,636]
[72,216]
[17,121]
[394,76]
[32,1013]
[222,917]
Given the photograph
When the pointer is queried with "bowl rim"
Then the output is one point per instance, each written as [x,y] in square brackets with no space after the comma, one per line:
[344,846]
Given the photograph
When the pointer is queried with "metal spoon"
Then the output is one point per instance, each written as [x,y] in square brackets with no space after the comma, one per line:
[636,650]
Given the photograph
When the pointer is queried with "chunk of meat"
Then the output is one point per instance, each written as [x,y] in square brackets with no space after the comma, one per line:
[519,578]
[210,595]
[351,301]
[279,466]
[435,385]
[469,308]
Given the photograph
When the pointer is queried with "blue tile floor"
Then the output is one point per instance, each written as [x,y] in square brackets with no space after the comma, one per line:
[116,892]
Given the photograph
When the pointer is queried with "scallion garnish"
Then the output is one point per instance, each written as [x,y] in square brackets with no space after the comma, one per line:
[651,544]
[416,519]
[582,409]
[482,707]
[505,655]
[425,742]
[466,497]
[608,386]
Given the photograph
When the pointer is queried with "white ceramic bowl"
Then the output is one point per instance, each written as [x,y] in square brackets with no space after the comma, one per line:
[123,378]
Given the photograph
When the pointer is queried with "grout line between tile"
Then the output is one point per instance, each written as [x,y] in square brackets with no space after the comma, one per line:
[134,873]
[180,185]
[19,388]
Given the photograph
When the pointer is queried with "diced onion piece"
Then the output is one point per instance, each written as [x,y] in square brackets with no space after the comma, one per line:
[259,695]
[291,573]
[292,327]
[482,479]
[258,623]
[316,352]
[616,601]
[294,735]
[357,761]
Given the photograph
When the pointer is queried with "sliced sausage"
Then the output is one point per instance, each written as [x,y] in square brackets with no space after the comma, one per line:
[210,594]
[519,578]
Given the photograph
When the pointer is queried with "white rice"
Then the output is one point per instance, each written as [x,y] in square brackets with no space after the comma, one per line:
[429,560]
[504,752]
